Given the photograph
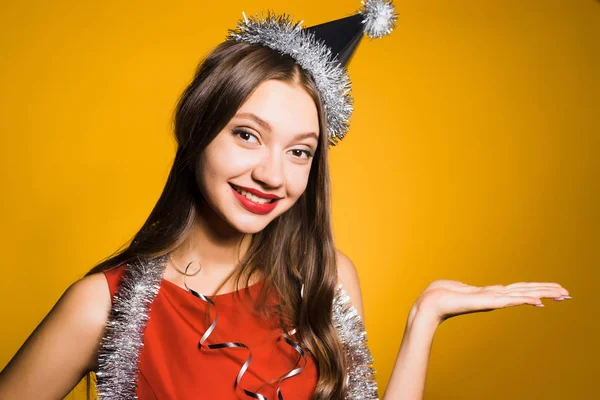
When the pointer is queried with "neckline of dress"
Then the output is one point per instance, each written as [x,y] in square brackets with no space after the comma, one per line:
[219,297]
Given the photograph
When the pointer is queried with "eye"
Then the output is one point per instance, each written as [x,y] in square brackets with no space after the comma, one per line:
[298,153]
[245,135]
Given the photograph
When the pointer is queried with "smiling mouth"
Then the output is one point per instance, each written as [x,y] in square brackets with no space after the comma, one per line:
[251,196]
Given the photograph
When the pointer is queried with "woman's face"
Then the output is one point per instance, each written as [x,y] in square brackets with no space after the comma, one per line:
[257,167]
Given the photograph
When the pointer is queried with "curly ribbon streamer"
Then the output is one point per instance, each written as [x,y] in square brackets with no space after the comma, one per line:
[211,328]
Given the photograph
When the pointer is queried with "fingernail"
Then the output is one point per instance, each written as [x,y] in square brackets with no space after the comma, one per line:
[539,305]
[562,298]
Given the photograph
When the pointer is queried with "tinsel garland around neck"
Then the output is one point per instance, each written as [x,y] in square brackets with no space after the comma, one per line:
[122,341]
[123,336]
[360,376]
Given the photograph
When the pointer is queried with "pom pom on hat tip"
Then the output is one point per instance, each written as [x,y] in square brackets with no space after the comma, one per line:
[379,17]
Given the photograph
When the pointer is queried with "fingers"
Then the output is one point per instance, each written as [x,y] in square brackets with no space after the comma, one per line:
[531,296]
[539,292]
[510,301]
[523,287]
[539,289]
[532,284]
[532,288]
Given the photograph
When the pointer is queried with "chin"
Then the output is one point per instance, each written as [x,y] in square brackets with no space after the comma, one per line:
[252,223]
[246,222]
[250,226]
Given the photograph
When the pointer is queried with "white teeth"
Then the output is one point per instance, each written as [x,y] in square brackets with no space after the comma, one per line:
[251,196]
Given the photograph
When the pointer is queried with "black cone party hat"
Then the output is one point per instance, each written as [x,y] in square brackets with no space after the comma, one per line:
[376,19]
[342,36]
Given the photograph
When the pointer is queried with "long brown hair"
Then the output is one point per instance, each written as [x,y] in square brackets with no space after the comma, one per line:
[303,252]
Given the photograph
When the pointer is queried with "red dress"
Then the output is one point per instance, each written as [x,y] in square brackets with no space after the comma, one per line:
[171,366]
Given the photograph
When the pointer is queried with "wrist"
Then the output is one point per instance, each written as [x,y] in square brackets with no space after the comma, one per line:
[423,314]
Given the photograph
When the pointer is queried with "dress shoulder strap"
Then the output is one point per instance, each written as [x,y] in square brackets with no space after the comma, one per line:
[113,277]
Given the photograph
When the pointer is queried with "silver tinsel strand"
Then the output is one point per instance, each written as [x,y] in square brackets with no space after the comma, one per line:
[280,33]
[360,374]
[123,337]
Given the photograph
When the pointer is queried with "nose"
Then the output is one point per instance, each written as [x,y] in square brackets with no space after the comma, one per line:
[269,170]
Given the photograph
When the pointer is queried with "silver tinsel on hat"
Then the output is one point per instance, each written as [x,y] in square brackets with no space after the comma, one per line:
[280,33]
[122,341]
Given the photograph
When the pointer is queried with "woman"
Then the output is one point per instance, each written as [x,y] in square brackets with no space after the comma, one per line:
[244,217]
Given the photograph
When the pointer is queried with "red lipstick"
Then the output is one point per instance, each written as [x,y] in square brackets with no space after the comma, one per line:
[256,207]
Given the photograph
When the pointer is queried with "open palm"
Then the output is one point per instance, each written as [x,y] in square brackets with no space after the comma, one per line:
[448,298]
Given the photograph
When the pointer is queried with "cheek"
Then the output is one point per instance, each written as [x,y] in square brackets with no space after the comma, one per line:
[222,162]
[297,181]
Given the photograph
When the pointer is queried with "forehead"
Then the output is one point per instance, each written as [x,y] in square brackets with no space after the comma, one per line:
[286,106]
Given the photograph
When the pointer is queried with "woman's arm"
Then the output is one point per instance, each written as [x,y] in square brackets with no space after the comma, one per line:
[64,346]
[441,300]
[408,376]
[410,370]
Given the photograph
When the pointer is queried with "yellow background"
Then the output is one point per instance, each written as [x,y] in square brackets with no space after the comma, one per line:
[473,155]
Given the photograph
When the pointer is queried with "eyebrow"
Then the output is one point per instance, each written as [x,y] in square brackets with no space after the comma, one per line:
[265,125]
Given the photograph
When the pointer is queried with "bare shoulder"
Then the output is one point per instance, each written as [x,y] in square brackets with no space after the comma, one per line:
[85,303]
[348,278]
[90,297]
[63,347]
